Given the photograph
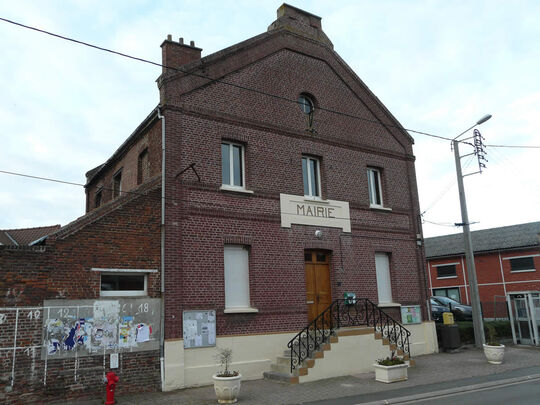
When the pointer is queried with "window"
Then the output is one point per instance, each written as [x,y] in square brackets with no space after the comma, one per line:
[374,186]
[384,285]
[306,104]
[310,174]
[143,167]
[232,165]
[452,293]
[97,199]
[308,107]
[117,184]
[447,270]
[236,260]
[522,264]
[123,284]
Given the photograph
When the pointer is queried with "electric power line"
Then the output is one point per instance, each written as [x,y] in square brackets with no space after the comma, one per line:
[192,73]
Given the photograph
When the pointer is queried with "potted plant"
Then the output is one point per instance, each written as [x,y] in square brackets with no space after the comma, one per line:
[493,350]
[226,382]
[391,369]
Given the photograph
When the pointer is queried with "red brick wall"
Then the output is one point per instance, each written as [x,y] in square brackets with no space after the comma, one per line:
[201,219]
[122,234]
[149,138]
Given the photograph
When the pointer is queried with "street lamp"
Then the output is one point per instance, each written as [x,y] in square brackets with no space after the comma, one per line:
[478,323]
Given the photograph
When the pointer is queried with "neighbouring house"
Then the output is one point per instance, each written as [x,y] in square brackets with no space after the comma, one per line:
[506,260]
[269,182]
[26,236]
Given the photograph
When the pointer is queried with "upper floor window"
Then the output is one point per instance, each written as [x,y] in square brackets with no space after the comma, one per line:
[232,164]
[143,167]
[306,104]
[311,176]
[117,184]
[98,197]
[374,186]
[522,264]
[446,270]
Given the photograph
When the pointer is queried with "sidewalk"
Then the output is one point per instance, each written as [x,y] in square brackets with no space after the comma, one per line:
[437,370]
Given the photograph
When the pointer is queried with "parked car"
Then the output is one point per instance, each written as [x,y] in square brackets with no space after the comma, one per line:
[437,310]
[444,304]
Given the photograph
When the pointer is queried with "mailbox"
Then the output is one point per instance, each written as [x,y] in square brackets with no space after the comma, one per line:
[350,298]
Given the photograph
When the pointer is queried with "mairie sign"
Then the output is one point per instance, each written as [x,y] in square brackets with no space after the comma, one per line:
[306,211]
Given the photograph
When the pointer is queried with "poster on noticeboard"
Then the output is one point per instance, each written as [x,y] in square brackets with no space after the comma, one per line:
[411,314]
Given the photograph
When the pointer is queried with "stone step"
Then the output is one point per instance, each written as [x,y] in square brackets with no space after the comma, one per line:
[287,378]
[354,331]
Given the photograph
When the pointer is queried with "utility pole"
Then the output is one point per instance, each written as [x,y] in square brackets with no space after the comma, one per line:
[478,322]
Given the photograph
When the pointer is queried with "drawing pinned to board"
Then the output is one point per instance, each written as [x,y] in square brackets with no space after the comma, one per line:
[143,332]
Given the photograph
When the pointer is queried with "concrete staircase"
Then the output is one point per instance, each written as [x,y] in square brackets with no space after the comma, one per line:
[281,370]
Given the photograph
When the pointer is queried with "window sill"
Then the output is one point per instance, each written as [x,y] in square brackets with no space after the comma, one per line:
[522,271]
[240,310]
[444,278]
[315,199]
[380,208]
[224,187]
[388,304]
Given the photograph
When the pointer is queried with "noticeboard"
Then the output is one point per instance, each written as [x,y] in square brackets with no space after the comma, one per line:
[199,328]
[411,314]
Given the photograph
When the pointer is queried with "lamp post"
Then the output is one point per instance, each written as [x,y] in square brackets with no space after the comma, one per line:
[478,323]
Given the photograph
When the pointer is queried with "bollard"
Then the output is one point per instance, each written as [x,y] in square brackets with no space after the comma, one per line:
[112,380]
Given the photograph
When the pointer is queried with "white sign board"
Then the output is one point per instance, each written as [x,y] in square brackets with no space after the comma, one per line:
[297,209]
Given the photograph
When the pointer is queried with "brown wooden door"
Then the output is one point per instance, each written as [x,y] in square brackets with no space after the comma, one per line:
[318,293]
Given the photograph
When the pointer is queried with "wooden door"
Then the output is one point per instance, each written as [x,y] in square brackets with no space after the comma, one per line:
[318,292]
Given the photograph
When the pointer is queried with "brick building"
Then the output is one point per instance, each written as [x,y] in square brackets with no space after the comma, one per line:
[267,183]
[506,260]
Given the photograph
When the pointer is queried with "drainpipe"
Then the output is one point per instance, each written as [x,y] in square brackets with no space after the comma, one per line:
[162,254]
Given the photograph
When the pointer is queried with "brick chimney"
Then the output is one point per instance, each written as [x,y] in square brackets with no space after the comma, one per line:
[175,54]
[300,22]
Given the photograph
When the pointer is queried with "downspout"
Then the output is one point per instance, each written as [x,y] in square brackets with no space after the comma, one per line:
[162,253]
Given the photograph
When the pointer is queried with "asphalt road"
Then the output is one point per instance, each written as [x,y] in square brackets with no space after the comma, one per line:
[522,393]
[513,387]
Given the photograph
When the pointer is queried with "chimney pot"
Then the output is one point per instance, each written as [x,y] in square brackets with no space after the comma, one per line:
[181,41]
[192,43]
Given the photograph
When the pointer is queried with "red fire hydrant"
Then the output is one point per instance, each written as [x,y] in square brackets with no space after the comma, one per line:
[112,379]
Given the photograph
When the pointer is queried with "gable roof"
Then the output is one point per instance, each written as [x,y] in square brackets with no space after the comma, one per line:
[506,237]
[26,236]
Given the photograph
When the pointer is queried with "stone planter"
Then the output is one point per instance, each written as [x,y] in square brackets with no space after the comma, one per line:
[389,374]
[227,388]
[494,354]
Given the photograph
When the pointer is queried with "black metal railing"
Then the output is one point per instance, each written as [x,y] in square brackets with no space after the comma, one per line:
[342,313]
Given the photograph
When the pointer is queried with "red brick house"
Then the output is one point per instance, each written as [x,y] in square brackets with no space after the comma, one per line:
[268,182]
[506,260]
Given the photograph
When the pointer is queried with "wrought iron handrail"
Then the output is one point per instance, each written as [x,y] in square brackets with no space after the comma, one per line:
[341,313]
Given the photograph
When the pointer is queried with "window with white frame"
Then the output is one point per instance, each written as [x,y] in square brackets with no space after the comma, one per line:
[123,284]
[384,284]
[236,260]
[446,270]
[232,165]
[311,176]
[525,263]
[374,187]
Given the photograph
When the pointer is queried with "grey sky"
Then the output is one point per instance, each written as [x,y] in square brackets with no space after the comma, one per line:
[437,65]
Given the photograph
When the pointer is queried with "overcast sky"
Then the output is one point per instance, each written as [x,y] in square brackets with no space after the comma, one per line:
[437,65]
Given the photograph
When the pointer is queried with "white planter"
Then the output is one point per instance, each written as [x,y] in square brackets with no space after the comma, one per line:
[227,388]
[388,374]
[494,354]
